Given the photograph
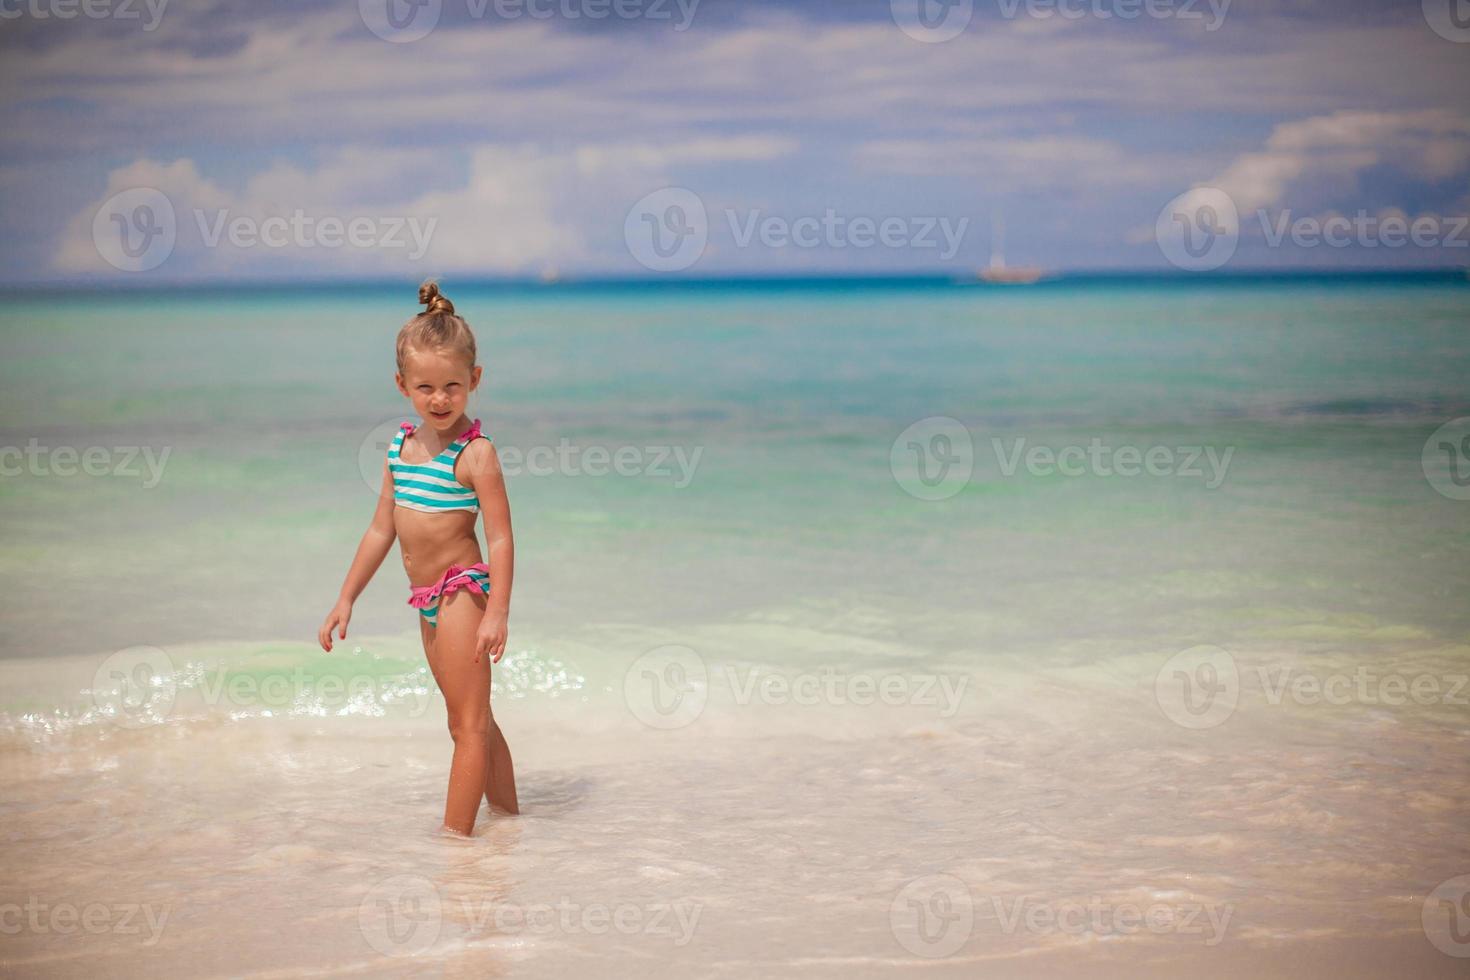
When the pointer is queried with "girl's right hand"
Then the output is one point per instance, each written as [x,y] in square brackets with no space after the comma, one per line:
[336,619]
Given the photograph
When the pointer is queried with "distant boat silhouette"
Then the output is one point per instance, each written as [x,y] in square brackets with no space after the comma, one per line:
[1000,273]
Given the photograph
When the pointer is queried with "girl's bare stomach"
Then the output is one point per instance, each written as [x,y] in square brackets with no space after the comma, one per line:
[432,542]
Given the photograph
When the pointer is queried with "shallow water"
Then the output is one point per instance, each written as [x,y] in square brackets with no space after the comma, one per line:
[789,716]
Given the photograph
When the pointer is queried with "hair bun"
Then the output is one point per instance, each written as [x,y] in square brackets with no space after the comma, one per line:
[436,301]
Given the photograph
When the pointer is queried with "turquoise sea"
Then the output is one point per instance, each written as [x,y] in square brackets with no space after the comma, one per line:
[1083,508]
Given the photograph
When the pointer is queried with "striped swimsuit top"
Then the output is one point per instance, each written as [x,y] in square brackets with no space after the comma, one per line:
[431,487]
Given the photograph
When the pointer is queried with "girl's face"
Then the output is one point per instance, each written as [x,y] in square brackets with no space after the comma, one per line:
[439,385]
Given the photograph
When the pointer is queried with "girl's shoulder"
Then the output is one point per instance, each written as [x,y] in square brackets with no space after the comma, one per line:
[478,453]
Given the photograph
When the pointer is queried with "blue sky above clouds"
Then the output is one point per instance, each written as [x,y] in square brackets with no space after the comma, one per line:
[516,137]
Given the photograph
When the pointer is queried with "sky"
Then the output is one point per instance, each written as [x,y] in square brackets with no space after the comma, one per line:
[168,140]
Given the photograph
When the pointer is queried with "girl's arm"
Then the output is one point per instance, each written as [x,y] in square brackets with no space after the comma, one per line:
[375,545]
[489,484]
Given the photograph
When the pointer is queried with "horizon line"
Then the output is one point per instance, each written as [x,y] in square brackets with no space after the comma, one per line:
[921,277]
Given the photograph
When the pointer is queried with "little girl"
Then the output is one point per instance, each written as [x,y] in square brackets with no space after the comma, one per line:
[435,479]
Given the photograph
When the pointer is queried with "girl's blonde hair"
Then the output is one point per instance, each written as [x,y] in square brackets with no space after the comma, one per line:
[438,328]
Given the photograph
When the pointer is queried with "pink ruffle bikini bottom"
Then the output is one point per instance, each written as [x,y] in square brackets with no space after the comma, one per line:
[426,599]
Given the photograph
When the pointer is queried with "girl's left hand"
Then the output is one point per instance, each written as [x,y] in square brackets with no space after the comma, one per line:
[491,637]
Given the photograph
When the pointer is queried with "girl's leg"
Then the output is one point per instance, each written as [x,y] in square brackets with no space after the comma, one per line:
[466,689]
[500,777]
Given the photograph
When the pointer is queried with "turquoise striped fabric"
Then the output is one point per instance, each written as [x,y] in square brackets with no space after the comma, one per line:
[431,486]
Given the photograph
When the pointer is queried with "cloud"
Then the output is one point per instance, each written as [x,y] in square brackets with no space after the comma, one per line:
[1041,162]
[1429,145]
[1316,163]
[518,209]
[543,132]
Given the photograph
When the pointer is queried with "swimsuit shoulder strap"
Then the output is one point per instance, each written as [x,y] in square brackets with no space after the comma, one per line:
[469,435]
[396,446]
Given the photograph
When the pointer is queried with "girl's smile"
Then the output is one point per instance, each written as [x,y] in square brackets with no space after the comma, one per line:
[439,384]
